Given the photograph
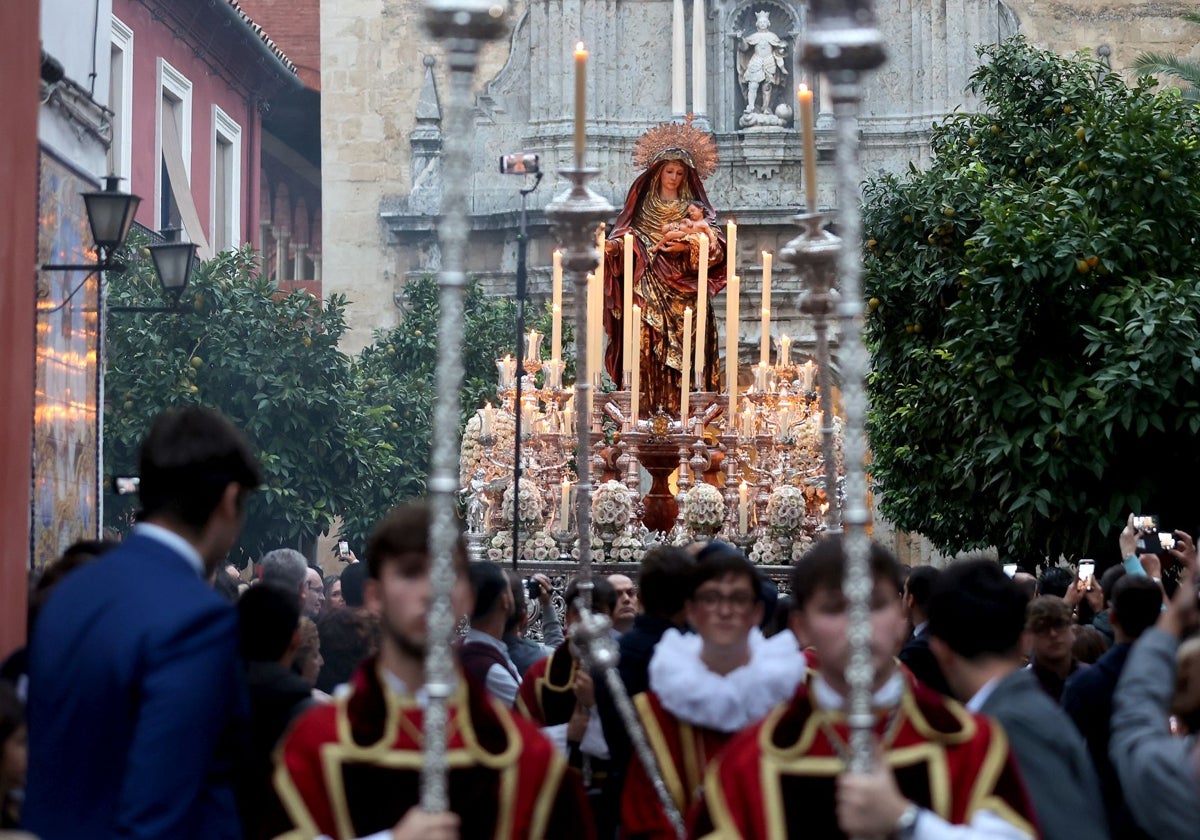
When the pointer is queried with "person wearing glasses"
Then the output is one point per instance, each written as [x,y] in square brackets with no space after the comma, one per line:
[707,685]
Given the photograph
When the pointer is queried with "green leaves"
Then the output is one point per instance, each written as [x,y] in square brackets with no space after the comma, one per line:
[1057,305]
[337,436]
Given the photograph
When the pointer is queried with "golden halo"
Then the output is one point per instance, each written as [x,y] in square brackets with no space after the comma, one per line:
[677,141]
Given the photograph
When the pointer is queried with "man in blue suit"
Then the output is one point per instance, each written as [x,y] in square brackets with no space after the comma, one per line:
[136,694]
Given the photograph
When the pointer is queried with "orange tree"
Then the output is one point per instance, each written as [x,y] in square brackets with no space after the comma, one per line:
[338,436]
[1034,313]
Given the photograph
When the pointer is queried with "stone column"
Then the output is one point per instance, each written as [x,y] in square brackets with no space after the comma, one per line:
[298,263]
[678,61]
[281,253]
[699,61]
[316,258]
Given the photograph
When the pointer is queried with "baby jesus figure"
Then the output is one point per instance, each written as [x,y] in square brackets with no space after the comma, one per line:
[692,227]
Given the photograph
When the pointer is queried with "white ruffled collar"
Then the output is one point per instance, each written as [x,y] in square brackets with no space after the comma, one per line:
[726,703]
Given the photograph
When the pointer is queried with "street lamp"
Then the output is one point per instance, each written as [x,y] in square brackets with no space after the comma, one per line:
[110,215]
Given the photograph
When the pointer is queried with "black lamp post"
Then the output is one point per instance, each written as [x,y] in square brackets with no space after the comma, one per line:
[110,215]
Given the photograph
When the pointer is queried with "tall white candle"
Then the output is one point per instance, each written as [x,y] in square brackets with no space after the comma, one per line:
[564,507]
[731,247]
[685,379]
[556,308]
[806,379]
[636,377]
[701,314]
[743,508]
[732,315]
[764,353]
[581,58]
[626,309]
[785,352]
[810,147]
[678,61]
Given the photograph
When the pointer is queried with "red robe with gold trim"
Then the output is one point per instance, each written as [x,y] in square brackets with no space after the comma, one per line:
[682,751]
[352,768]
[777,779]
[547,695]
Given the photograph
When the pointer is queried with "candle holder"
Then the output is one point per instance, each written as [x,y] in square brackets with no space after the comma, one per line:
[464,25]
[565,540]
[574,216]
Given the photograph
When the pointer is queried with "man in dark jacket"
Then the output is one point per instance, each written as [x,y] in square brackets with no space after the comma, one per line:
[915,654]
[1088,695]
[977,618]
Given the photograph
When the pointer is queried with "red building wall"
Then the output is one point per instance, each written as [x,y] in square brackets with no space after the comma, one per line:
[296,26]
[153,39]
[19,44]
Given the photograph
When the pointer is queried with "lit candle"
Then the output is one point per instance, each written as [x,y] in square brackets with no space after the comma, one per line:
[731,247]
[743,508]
[485,420]
[687,367]
[702,315]
[806,382]
[785,351]
[556,308]
[626,308]
[636,377]
[765,346]
[748,421]
[732,315]
[580,103]
[564,507]
[810,147]
[569,419]
[533,346]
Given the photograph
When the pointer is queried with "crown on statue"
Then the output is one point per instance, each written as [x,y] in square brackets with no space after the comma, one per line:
[677,141]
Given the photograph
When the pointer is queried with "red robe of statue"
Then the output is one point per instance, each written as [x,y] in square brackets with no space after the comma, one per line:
[776,779]
[352,768]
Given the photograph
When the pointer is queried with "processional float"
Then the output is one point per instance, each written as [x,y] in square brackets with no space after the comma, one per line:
[842,42]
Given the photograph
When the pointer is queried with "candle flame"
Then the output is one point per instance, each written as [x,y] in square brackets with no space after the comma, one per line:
[580,50]
[803,89]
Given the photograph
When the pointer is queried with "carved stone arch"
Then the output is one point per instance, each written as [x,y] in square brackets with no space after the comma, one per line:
[787,21]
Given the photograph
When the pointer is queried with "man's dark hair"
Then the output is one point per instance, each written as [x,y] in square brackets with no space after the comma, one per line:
[604,595]
[977,610]
[663,580]
[353,577]
[1109,579]
[1055,581]
[1047,611]
[405,531]
[824,567]
[1136,604]
[12,711]
[188,459]
[718,559]
[267,618]
[920,585]
[488,583]
[347,637]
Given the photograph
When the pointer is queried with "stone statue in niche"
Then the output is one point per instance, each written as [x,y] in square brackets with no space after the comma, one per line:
[762,66]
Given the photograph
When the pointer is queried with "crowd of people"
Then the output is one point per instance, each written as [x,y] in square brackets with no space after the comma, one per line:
[166,694]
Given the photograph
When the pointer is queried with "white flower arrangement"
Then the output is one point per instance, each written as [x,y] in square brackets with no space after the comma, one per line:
[626,548]
[539,547]
[472,456]
[611,506]
[705,509]
[766,550]
[786,509]
[530,510]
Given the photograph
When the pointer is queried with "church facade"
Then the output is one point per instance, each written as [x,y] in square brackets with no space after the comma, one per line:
[651,61]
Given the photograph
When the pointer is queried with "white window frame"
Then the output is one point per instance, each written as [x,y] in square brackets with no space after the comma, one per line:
[122,42]
[179,87]
[226,130]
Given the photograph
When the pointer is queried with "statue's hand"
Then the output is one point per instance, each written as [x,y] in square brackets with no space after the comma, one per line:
[673,245]
[737,33]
